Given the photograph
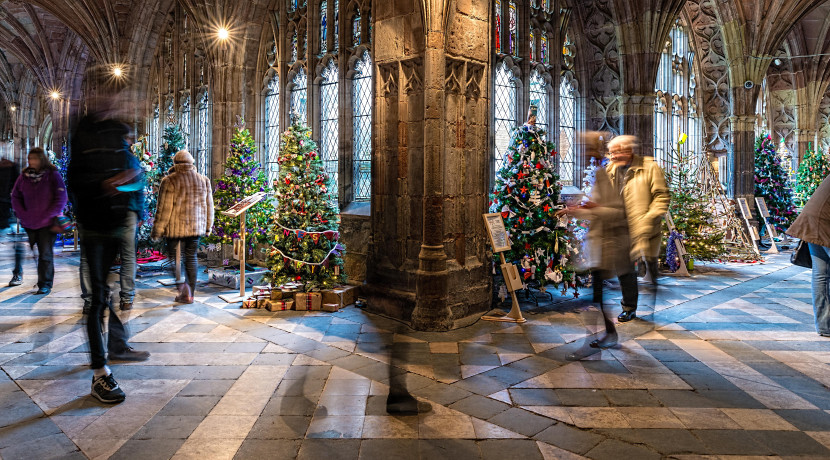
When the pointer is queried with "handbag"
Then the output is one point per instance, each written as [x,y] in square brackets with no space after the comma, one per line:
[801,255]
[61,224]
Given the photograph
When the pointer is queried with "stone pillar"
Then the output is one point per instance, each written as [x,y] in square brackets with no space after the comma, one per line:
[427,258]
[741,164]
[804,139]
[638,120]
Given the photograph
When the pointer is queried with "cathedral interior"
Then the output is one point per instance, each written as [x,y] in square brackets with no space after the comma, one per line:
[412,104]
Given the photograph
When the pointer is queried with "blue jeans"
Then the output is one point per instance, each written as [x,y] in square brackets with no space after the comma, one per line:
[128,265]
[821,287]
[44,239]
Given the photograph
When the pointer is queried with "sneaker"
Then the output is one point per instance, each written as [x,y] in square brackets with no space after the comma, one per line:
[17,280]
[43,291]
[126,305]
[106,389]
[130,354]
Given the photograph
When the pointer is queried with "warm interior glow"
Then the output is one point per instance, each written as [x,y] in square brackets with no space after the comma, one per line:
[13,108]
[55,95]
[117,71]
[223,33]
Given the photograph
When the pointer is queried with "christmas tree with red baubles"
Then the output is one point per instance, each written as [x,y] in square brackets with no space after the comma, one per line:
[772,183]
[305,232]
[811,171]
[526,194]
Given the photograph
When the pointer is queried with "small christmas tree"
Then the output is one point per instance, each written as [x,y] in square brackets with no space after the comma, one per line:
[691,209]
[243,177]
[772,183]
[305,233]
[812,170]
[61,162]
[148,161]
[173,141]
[526,194]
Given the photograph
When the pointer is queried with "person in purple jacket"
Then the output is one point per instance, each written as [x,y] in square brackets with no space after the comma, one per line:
[38,197]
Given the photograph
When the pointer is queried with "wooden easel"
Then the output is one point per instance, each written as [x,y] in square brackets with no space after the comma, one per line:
[773,235]
[239,210]
[679,246]
[501,243]
[753,232]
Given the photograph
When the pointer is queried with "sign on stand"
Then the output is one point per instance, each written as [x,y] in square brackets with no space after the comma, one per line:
[501,243]
[238,210]
[753,232]
[679,247]
[773,235]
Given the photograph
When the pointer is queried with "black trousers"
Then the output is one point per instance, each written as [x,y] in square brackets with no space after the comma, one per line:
[101,249]
[44,239]
[189,246]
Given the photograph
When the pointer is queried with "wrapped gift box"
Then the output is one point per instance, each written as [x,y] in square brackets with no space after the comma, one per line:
[279,305]
[343,296]
[230,278]
[264,291]
[249,303]
[308,301]
[331,307]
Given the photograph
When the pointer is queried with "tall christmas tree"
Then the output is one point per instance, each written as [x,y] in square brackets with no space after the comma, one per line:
[772,183]
[691,208]
[526,194]
[148,161]
[811,171]
[243,177]
[305,233]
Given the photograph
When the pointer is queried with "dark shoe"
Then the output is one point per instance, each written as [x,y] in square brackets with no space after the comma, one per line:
[608,341]
[17,280]
[126,305]
[106,389]
[627,316]
[87,306]
[130,354]
[185,295]
[43,291]
[405,404]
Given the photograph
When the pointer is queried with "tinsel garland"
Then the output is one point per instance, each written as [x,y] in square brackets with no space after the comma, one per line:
[673,259]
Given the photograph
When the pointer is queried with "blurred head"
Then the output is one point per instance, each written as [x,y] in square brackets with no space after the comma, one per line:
[621,149]
[38,159]
[594,142]
[183,157]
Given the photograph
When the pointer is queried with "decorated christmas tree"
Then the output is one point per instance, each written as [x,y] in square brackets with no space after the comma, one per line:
[812,170]
[173,141]
[305,232]
[148,161]
[772,183]
[242,177]
[526,194]
[691,208]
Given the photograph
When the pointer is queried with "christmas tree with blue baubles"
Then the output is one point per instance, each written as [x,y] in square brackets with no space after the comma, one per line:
[149,164]
[772,183]
[812,169]
[526,194]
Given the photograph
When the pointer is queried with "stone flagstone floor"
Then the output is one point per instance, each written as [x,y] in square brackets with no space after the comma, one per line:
[726,363]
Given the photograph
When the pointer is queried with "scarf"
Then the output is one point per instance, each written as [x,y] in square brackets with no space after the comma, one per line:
[34,175]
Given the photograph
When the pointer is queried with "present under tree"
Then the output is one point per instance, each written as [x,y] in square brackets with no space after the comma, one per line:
[814,167]
[772,183]
[305,232]
[243,176]
[526,193]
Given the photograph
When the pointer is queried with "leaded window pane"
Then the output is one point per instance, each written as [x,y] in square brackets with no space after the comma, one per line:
[272,129]
[539,96]
[514,28]
[185,122]
[329,135]
[362,106]
[497,27]
[567,131]
[324,29]
[202,136]
[299,95]
[505,107]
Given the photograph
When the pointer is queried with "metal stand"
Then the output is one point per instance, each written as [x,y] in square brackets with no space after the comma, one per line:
[232,298]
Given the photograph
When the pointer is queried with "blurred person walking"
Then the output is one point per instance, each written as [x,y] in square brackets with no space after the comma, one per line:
[9,172]
[184,214]
[642,184]
[38,198]
[813,227]
[102,174]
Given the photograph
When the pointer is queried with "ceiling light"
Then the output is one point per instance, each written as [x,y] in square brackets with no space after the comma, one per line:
[55,95]
[117,71]
[223,33]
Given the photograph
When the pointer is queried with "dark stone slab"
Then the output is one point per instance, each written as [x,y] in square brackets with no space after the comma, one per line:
[316,449]
[732,442]
[521,421]
[570,438]
[534,397]
[480,406]
[169,427]
[449,449]
[806,420]
[581,397]
[791,443]
[631,398]
[190,405]
[500,449]
[266,448]
[611,449]
[280,427]
[290,405]
[150,449]
[403,449]
[206,388]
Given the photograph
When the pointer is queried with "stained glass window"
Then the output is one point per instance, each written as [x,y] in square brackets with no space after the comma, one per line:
[532,46]
[154,131]
[272,129]
[202,136]
[497,27]
[292,5]
[567,130]
[505,111]
[336,24]
[356,29]
[544,49]
[514,28]
[185,121]
[299,95]
[362,138]
[294,44]
[539,96]
[329,139]
[324,29]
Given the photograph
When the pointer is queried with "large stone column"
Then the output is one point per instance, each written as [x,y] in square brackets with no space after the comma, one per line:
[427,258]
[638,119]
[742,161]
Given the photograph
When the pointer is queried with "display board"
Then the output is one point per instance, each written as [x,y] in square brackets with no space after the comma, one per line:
[244,204]
[497,232]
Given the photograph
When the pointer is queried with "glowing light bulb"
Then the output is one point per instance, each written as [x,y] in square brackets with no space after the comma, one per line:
[55,95]
[223,33]
[117,71]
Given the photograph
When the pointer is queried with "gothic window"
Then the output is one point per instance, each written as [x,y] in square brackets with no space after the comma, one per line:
[506,117]
[675,111]
[324,29]
[154,139]
[356,29]
[362,135]
[185,121]
[497,26]
[202,135]
[272,129]
[513,24]
[329,138]
[539,96]
[299,94]
[567,129]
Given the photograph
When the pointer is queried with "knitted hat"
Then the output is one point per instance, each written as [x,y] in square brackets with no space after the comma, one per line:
[183,156]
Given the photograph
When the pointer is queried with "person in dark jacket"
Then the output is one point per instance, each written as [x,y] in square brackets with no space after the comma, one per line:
[9,172]
[102,173]
[38,197]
